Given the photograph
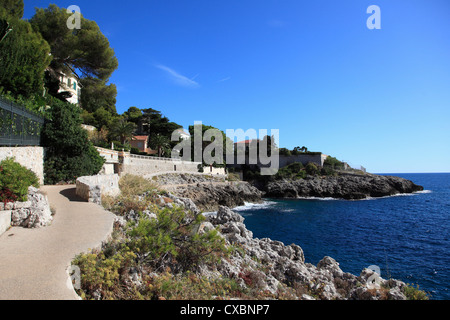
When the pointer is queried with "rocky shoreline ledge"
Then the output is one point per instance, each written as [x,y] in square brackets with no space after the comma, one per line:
[272,268]
[346,186]
[208,193]
[163,243]
[285,264]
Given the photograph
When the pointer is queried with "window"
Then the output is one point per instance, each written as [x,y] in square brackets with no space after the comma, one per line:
[74,85]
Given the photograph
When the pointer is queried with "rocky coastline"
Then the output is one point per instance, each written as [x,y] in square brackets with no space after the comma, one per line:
[285,265]
[263,268]
[346,186]
[209,193]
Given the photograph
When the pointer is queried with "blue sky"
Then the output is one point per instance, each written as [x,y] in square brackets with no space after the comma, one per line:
[312,69]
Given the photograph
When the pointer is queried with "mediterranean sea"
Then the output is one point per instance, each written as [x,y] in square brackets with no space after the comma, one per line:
[406,236]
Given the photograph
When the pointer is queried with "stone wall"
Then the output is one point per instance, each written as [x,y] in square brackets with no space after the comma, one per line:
[29,157]
[33,213]
[92,188]
[125,163]
[5,220]
[146,165]
[303,158]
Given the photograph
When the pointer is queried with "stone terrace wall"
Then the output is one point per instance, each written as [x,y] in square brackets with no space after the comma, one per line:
[92,188]
[146,165]
[29,157]
[303,158]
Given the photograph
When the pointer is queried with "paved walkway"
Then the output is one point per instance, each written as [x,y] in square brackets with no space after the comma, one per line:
[34,262]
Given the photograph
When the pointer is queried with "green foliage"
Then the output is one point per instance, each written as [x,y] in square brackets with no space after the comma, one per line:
[291,172]
[122,130]
[333,163]
[311,169]
[16,178]
[24,56]
[414,293]
[69,152]
[198,132]
[12,8]
[101,273]
[132,185]
[160,143]
[36,104]
[86,50]
[284,152]
[171,241]
[96,93]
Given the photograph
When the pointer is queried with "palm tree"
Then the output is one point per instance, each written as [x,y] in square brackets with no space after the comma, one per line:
[122,130]
[159,142]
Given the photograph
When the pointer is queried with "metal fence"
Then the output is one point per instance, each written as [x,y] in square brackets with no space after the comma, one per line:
[19,126]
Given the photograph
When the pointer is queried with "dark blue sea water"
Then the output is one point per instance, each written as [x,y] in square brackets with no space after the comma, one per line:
[407,236]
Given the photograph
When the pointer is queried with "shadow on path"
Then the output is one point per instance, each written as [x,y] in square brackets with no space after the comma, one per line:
[71,194]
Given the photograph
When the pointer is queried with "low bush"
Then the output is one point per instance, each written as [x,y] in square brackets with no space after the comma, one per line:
[292,171]
[171,241]
[135,185]
[311,169]
[154,247]
[15,180]
[414,293]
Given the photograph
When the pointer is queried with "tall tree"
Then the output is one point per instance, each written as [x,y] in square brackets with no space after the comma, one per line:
[96,94]
[122,129]
[160,143]
[158,124]
[86,52]
[12,8]
[24,57]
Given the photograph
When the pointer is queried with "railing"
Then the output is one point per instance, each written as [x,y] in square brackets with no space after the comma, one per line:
[135,156]
[19,126]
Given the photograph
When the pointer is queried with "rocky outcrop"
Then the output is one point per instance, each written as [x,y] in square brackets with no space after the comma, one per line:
[344,186]
[33,213]
[268,263]
[209,197]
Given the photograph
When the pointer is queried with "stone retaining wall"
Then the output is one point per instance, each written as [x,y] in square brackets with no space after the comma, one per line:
[92,188]
[5,221]
[144,166]
[29,157]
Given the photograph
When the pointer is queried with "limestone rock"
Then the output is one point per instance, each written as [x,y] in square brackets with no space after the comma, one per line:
[345,186]
[33,213]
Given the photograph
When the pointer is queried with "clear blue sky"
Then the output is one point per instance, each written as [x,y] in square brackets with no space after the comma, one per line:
[311,69]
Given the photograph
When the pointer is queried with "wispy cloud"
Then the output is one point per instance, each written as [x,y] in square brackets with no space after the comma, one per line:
[178,78]
[224,79]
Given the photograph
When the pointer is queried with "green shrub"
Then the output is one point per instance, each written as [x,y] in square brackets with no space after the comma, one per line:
[292,171]
[103,274]
[171,241]
[414,293]
[132,185]
[311,169]
[69,153]
[15,180]
[333,163]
